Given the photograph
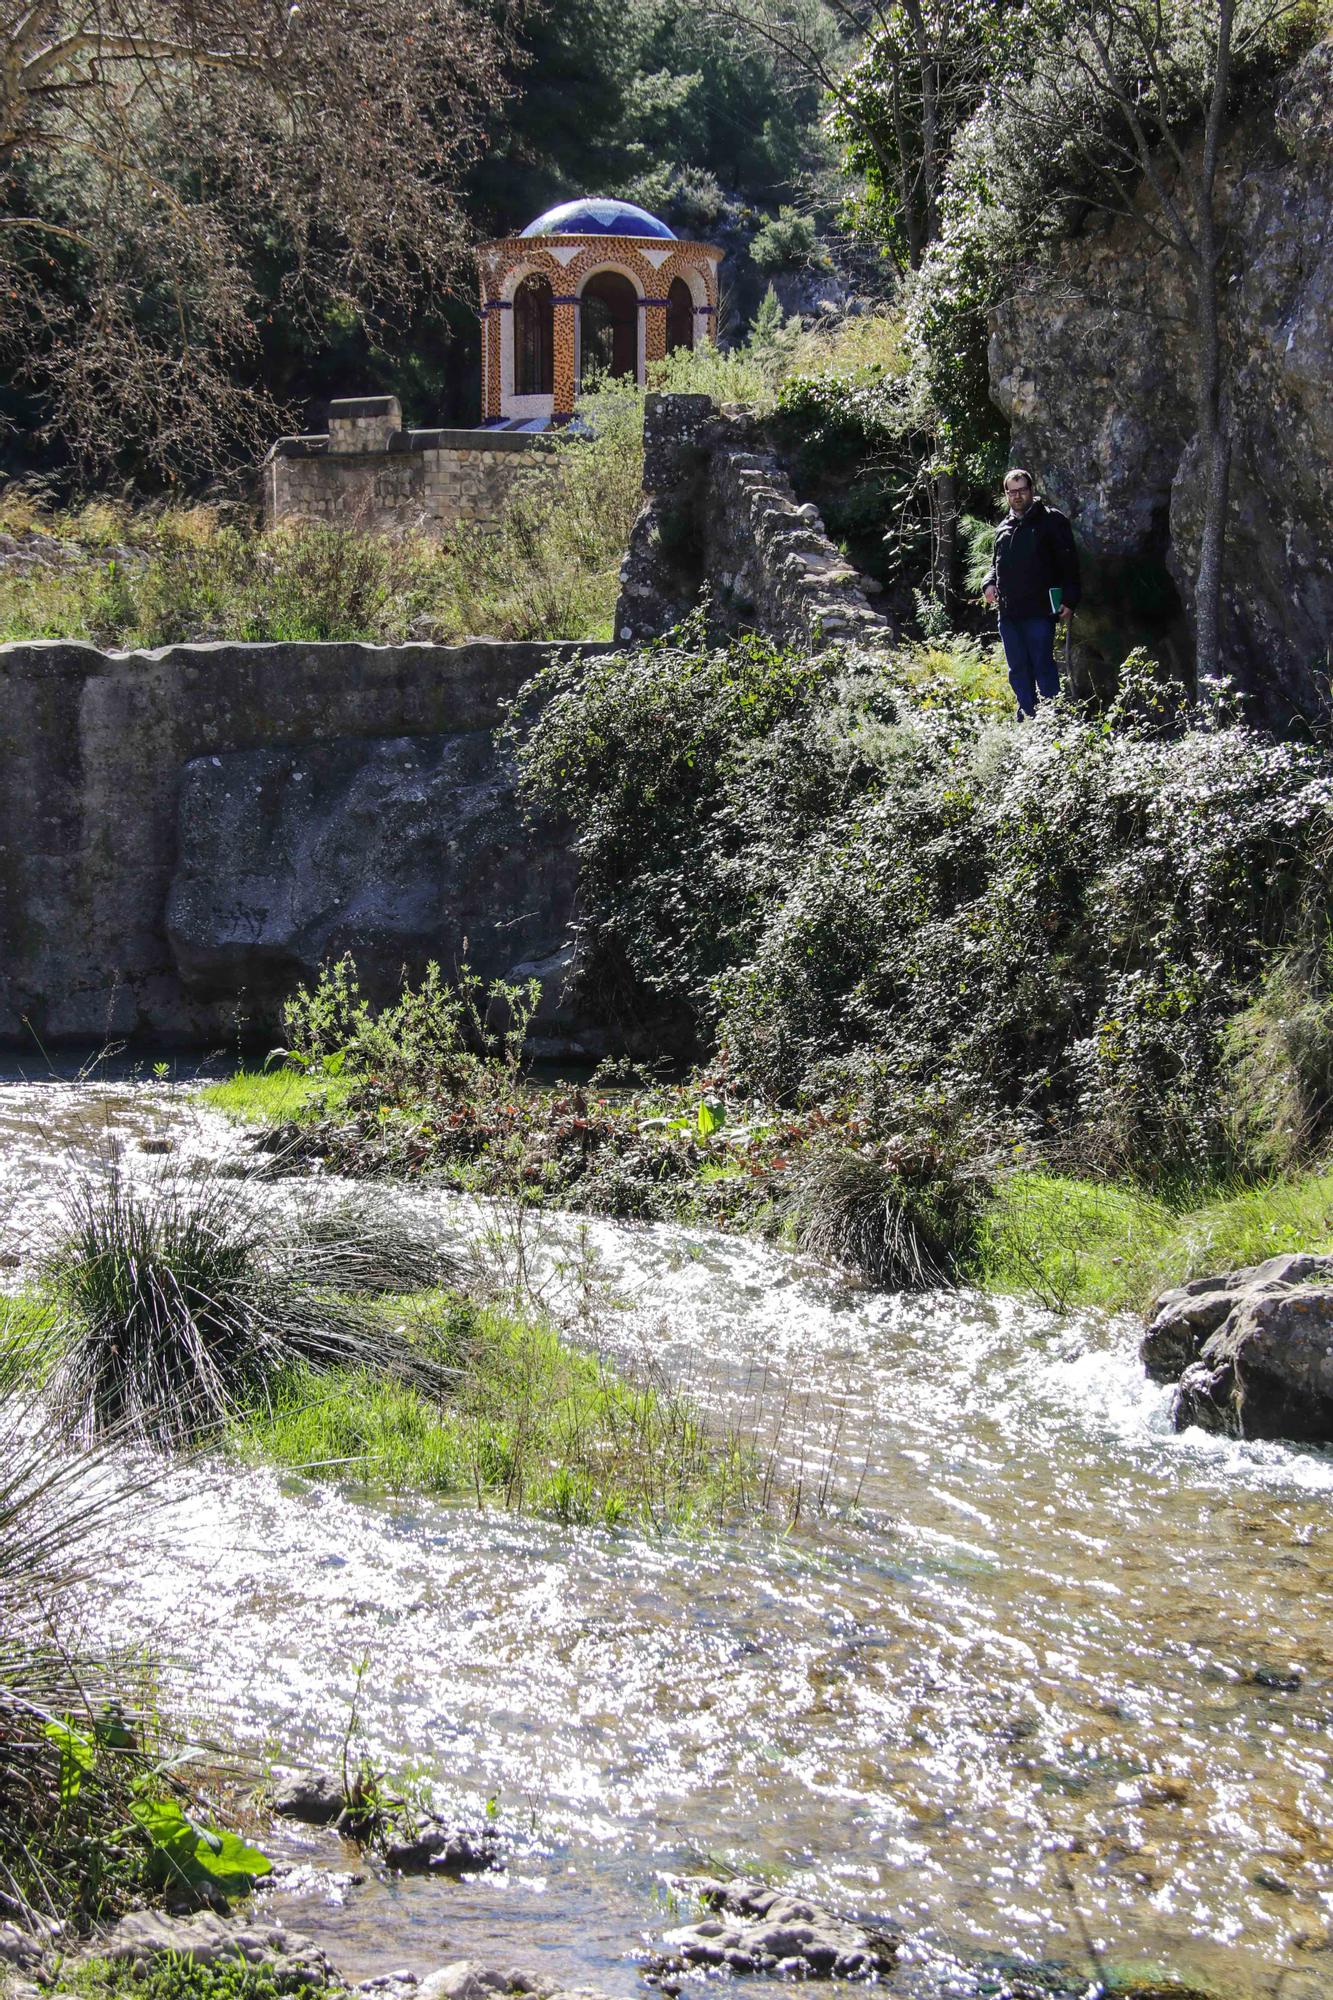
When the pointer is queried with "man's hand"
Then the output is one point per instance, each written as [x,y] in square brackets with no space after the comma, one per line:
[1065,615]
[990,593]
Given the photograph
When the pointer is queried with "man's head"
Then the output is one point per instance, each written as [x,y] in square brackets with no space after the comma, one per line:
[1019,490]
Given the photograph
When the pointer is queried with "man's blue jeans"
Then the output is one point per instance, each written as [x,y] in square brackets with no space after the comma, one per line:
[1029,651]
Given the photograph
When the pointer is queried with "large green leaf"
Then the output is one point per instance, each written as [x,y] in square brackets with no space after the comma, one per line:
[78,1755]
[184,1852]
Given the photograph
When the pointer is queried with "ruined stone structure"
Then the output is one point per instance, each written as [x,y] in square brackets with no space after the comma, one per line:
[589,282]
[368,472]
[186,834]
[720,518]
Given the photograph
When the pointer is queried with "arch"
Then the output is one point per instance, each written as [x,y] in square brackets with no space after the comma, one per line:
[609,324]
[534,336]
[679,316]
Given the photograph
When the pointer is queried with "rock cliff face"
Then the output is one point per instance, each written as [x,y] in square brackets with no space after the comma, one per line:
[1093,365]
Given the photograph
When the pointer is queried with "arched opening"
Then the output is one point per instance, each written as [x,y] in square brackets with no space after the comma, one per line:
[534,325]
[680,316]
[609,325]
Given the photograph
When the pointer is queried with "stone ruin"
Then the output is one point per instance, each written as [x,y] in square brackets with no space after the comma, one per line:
[367,472]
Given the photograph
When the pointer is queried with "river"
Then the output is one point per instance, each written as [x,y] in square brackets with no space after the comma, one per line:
[1030,1675]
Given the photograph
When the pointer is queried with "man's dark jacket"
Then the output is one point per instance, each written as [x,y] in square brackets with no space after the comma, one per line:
[1031,555]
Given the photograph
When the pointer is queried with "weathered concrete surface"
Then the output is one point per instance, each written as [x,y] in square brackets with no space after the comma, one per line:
[94,750]
[1094,364]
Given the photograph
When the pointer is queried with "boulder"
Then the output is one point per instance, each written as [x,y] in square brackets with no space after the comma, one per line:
[1268,1370]
[752,1928]
[1251,1350]
[1184,1318]
[314,1797]
[145,1936]
[464,1979]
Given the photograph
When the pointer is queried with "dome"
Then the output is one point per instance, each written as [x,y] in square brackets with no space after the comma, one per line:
[593,217]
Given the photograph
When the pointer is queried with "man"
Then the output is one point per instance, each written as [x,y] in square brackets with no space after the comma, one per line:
[1034,555]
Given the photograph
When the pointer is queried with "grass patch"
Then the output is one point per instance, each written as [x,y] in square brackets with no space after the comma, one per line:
[1071,1242]
[527,1422]
[176,1977]
[271,1096]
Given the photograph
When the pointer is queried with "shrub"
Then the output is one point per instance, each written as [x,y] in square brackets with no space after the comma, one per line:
[786,242]
[805,860]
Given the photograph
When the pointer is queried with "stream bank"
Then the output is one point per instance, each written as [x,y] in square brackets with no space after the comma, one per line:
[1029,1660]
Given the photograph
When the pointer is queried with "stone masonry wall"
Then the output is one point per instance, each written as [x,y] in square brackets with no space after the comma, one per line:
[186,833]
[370,473]
[720,516]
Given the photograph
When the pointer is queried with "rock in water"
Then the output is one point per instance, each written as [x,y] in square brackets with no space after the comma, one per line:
[445,1850]
[315,1797]
[752,1928]
[1268,1372]
[1183,1319]
[1252,1350]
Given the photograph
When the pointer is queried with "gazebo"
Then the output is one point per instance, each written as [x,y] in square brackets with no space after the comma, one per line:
[591,283]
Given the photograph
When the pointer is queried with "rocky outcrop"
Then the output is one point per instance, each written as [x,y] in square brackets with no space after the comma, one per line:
[752,1928]
[720,521]
[1092,362]
[1251,1351]
[145,1938]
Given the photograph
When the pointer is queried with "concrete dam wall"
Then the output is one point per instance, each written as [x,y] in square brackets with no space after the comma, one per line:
[186,834]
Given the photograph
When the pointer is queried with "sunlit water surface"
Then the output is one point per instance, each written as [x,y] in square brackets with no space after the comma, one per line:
[1030,1674]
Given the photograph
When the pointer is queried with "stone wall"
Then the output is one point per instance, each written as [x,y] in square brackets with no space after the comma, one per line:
[368,472]
[1093,362]
[186,833]
[720,517]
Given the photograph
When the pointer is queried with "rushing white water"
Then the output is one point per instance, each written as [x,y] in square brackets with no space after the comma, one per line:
[1040,1669]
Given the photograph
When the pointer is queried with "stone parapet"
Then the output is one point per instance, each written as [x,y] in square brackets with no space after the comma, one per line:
[720,519]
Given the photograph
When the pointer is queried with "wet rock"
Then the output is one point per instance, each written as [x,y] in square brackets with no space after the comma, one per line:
[1252,1350]
[315,1797]
[1268,1371]
[1184,1318]
[753,1928]
[445,1850]
[145,1936]
[397,1985]
[464,1979]
[160,1145]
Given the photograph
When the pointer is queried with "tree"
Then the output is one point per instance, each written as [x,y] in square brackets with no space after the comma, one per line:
[157,157]
[1125,106]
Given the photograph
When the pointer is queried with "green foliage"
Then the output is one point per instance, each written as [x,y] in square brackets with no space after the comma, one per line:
[842,874]
[440,1039]
[188,1853]
[786,242]
[172,1304]
[1072,1242]
[176,1976]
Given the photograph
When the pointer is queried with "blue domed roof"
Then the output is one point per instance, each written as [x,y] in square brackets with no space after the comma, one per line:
[594,217]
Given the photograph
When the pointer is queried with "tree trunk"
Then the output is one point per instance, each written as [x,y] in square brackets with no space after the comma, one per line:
[944,581]
[1214,439]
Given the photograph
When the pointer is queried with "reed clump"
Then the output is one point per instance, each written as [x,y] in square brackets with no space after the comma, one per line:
[174,1304]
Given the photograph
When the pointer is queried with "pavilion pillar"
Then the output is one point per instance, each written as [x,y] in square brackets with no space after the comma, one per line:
[491,352]
[654,330]
[565,307]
